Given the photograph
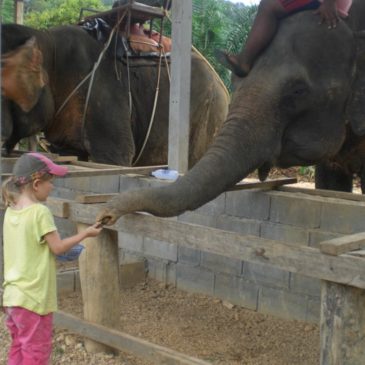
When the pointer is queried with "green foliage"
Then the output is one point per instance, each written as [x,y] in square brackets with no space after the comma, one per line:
[45,14]
[223,25]
[7,11]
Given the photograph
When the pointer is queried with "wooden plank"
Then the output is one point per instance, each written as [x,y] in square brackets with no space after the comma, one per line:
[268,184]
[65,159]
[293,258]
[323,193]
[58,207]
[122,341]
[179,111]
[342,325]
[94,198]
[340,245]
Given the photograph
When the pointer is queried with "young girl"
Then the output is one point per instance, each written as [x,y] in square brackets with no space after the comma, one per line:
[269,13]
[31,242]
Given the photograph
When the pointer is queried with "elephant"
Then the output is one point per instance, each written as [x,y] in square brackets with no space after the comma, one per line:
[301,104]
[46,80]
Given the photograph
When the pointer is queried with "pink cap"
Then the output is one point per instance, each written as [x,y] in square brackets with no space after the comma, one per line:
[53,169]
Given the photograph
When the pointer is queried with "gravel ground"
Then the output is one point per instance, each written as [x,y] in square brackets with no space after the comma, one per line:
[194,324]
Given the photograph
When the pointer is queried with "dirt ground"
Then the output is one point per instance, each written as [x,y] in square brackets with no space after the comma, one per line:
[194,324]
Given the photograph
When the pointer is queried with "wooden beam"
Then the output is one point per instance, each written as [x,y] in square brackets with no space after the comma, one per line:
[268,184]
[303,260]
[342,325]
[340,245]
[323,193]
[124,342]
[179,111]
[94,198]
[58,207]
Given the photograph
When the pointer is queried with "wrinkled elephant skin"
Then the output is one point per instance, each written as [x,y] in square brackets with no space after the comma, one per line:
[41,70]
[301,104]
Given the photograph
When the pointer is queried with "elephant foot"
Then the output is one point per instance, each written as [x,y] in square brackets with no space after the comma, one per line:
[231,62]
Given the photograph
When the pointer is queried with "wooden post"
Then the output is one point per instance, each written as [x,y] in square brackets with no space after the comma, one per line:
[99,279]
[342,325]
[179,117]
[19,11]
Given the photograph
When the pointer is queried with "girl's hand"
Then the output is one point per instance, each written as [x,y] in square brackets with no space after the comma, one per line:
[93,230]
[328,13]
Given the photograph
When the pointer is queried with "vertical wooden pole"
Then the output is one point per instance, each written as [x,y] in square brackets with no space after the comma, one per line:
[99,279]
[19,11]
[342,325]
[180,86]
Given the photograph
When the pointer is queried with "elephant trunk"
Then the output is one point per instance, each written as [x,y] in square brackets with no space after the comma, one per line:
[240,148]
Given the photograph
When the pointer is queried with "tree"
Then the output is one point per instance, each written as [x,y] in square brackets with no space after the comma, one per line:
[7,11]
[45,14]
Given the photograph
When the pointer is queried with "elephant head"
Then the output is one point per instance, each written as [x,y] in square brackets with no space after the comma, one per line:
[27,103]
[290,110]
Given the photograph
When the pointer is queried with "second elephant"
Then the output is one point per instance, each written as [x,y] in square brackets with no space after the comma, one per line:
[41,69]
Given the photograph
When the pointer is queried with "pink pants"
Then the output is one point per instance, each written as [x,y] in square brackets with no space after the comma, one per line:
[31,336]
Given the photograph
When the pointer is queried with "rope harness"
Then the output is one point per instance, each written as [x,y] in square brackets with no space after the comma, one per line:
[91,75]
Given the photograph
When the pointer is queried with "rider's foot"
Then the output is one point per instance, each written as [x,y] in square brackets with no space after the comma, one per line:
[232,62]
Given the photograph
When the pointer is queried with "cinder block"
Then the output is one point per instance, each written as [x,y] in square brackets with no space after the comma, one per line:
[313,310]
[131,274]
[65,281]
[239,225]
[221,264]
[163,271]
[285,233]
[65,227]
[317,236]
[189,256]
[131,242]
[201,219]
[253,204]
[262,274]
[293,210]
[214,207]
[301,284]
[343,217]
[96,184]
[283,304]
[63,193]
[126,256]
[194,279]
[160,249]
[236,291]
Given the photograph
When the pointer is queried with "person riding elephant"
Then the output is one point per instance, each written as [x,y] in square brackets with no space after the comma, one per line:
[265,25]
[301,104]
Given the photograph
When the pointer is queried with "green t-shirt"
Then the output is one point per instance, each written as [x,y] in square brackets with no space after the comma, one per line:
[29,264]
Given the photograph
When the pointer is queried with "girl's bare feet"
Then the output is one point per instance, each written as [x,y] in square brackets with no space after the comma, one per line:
[232,62]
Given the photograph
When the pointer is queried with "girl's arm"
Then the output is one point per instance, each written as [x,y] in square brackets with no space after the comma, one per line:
[58,246]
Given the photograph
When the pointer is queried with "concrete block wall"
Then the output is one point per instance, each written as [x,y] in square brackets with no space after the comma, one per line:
[294,218]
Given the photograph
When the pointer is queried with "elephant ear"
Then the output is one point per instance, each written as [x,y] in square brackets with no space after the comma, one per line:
[356,106]
[23,76]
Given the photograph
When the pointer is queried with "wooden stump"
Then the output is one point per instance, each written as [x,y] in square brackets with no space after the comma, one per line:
[342,325]
[100,283]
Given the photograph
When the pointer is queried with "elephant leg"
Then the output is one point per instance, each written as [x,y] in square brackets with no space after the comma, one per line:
[329,178]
